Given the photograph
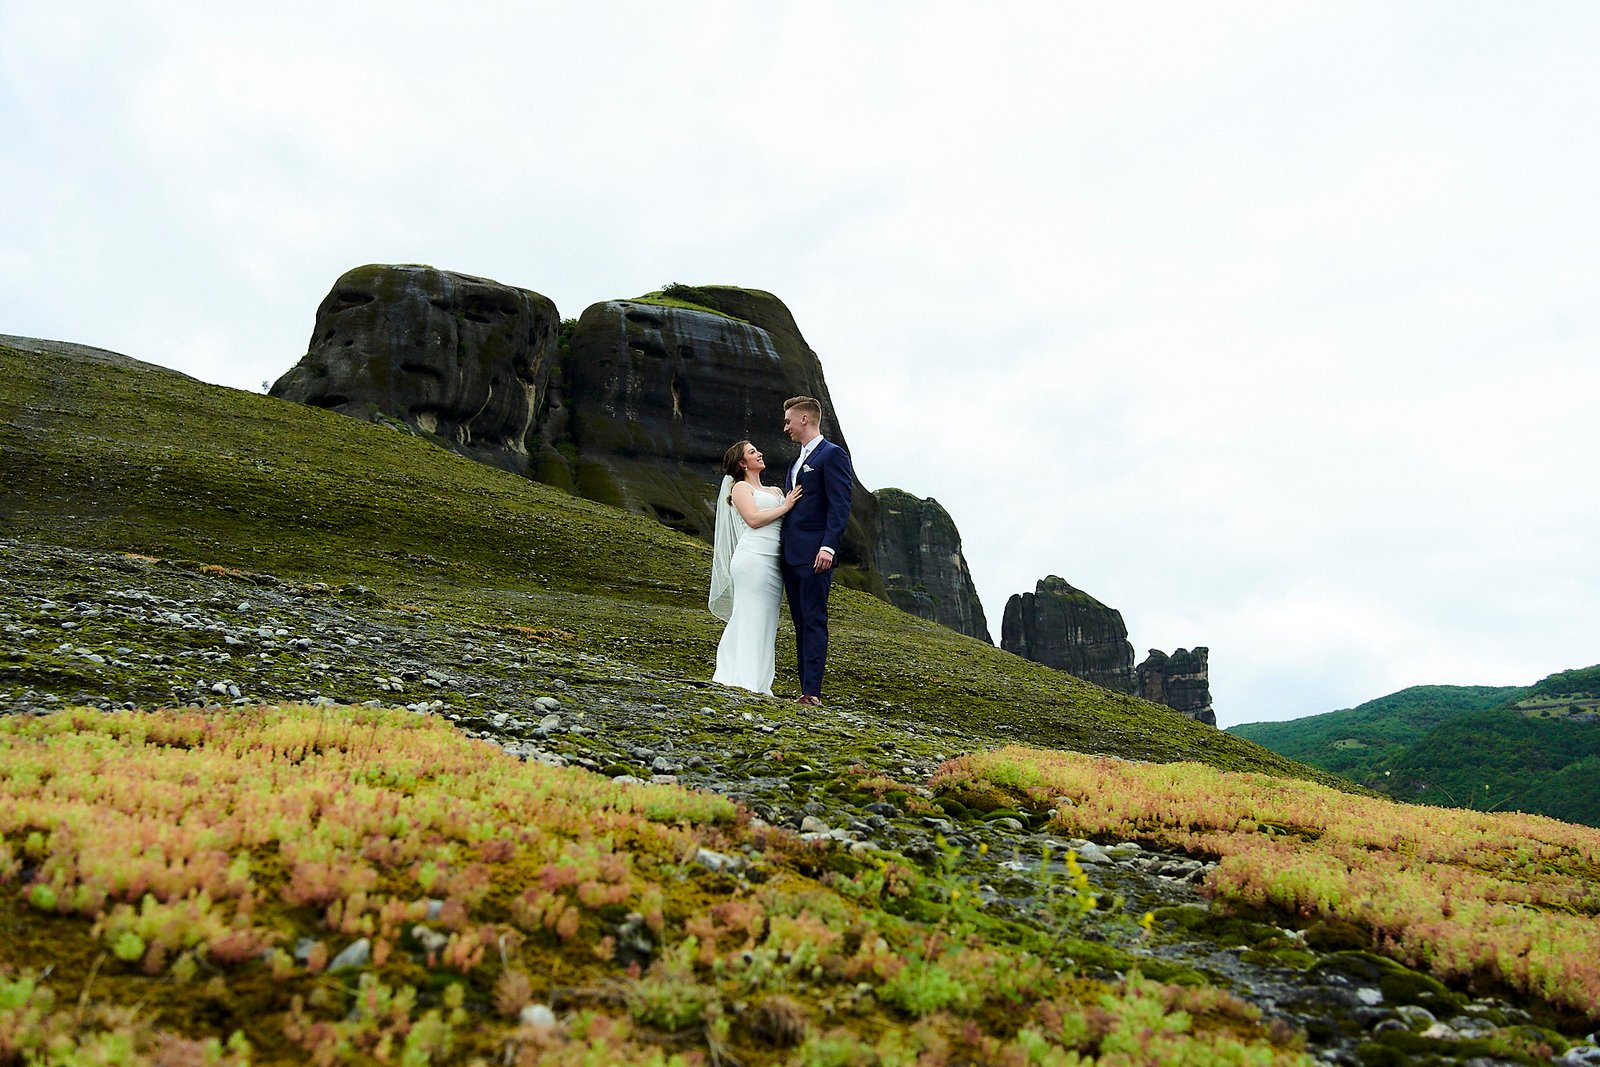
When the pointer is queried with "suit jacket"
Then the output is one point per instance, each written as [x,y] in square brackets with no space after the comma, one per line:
[819,517]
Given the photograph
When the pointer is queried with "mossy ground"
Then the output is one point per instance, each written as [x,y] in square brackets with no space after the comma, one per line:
[192,876]
[221,491]
[131,459]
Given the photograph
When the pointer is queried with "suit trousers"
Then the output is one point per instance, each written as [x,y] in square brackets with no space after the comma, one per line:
[808,609]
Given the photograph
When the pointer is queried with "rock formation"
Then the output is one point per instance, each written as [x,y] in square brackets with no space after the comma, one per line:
[1070,630]
[919,556]
[1181,681]
[633,405]
[463,360]
[651,393]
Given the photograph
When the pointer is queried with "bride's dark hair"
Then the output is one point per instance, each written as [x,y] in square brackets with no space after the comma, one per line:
[733,463]
[733,460]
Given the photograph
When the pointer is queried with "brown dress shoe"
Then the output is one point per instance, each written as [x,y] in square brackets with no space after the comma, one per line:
[809,701]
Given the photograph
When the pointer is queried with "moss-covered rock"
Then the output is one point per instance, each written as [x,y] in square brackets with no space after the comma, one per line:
[656,389]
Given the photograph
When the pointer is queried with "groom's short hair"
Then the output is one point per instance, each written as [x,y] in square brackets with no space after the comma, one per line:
[807,404]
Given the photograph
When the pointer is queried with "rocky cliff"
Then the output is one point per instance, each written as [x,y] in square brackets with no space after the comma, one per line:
[633,405]
[651,392]
[464,360]
[1181,681]
[919,556]
[1070,630]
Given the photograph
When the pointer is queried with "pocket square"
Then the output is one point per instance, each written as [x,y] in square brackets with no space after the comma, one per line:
[807,469]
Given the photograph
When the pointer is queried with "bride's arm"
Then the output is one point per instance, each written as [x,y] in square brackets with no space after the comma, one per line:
[744,499]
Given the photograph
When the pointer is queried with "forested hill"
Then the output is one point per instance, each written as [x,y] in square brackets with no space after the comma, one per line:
[1352,742]
[1534,749]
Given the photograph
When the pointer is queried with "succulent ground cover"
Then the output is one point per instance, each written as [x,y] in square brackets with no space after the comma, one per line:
[295,884]
[1493,900]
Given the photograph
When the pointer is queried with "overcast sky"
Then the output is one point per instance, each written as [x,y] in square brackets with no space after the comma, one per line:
[1272,325]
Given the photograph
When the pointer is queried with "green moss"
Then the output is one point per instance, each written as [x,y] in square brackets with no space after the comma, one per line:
[1398,983]
[1295,959]
[146,461]
[686,297]
[595,482]
[553,469]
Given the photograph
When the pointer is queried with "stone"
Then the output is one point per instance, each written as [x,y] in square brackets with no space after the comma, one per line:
[538,1016]
[919,556]
[461,360]
[1415,1016]
[649,397]
[1068,629]
[430,940]
[354,956]
[718,861]
[1181,681]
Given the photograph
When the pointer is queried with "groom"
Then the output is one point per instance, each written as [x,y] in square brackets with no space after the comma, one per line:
[811,535]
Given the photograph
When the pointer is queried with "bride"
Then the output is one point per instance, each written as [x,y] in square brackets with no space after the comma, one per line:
[746,585]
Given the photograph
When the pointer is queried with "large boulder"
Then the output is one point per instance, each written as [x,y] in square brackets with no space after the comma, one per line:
[652,391]
[1070,630]
[1181,681]
[462,360]
[919,556]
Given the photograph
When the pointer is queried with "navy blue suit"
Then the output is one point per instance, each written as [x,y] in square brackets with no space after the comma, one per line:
[818,518]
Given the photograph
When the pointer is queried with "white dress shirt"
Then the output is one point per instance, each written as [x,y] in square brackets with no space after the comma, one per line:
[800,461]
[794,474]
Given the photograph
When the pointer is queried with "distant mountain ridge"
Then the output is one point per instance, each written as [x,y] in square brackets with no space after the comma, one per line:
[1525,748]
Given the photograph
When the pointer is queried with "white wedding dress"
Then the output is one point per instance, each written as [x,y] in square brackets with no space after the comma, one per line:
[746,590]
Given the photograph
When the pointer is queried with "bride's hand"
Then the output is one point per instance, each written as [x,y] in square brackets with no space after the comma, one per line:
[793,495]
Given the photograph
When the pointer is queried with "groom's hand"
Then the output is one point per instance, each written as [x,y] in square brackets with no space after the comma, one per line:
[824,562]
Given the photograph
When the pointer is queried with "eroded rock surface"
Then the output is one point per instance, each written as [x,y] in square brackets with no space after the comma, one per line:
[651,396]
[919,555]
[1070,630]
[1181,681]
[462,359]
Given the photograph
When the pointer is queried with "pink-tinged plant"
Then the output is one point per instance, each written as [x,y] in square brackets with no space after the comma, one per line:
[1461,893]
[464,951]
[216,838]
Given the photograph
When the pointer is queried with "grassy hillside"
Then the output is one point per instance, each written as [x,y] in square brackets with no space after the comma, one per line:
[259,847]
[1561,695]
[130,457]
[1354,741]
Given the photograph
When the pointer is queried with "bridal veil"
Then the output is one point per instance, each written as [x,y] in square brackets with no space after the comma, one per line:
[724,538]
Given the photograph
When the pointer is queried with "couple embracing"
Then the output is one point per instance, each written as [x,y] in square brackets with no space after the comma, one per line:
[770,541]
